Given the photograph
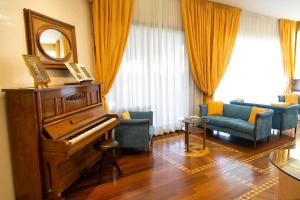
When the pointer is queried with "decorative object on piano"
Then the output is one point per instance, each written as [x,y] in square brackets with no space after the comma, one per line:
[52,40]
[87,74]
[37,70]
[79,72]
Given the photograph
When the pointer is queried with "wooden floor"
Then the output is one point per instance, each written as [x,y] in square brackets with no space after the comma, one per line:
[232,169]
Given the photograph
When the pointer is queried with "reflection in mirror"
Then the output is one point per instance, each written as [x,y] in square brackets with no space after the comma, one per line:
[54,43]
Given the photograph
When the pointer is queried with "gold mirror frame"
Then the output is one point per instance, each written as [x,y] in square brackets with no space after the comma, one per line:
[36,23]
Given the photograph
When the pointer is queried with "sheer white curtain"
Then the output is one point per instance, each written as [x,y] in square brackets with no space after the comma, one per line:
[255,71]
[154,74]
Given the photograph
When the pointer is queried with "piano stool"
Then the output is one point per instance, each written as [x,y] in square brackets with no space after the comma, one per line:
[107,146]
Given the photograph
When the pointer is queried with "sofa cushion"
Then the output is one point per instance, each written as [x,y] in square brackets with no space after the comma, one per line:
[291,98]
[235,124]
[282,104]
[254,112]
[125,115]
[240,125]
[217,120]
[237,111]
[215,108]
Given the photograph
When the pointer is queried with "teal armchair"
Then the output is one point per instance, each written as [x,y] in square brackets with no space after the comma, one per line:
[136,133]
[284,117]
[281,98]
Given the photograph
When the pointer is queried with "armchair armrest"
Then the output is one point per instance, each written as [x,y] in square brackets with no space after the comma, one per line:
[263,124]
[133,133]
[289,117]
[203,109]
[142,115]
[281,98]
[137,122]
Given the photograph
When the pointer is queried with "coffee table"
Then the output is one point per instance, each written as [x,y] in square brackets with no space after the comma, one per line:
[288,163]
[194,121]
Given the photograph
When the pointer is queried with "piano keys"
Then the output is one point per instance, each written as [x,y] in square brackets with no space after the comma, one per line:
[52,132]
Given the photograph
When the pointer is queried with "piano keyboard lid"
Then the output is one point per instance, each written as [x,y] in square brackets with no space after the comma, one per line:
[62,128]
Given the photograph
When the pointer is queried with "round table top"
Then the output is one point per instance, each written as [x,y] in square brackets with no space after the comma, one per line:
[288,161]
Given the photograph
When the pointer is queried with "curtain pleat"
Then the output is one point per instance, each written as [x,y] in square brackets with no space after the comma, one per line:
[288,29]
[210,31]
[66,46]
[111,22]
[57,49]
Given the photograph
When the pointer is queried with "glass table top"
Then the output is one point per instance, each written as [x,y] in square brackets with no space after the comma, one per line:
[288,161]
[193,120]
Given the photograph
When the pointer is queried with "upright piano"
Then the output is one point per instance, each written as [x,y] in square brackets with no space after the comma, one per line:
[52,132]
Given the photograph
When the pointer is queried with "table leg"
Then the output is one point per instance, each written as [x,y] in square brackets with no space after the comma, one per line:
[187,136]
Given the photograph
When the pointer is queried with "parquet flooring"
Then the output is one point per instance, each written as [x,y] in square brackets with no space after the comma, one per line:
[233,169]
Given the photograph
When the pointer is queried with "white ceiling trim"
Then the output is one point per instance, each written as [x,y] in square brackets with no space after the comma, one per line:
[288,9]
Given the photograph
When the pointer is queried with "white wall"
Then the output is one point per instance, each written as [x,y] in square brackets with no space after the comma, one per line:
[14,73]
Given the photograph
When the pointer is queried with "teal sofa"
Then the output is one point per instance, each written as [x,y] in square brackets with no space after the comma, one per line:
[235,122]
[284,118]
[281,98]
[136,133]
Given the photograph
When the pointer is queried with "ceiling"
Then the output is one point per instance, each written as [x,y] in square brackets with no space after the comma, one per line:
[289,9]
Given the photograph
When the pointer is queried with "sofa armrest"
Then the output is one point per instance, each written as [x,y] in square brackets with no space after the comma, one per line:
[263,124]
[142,115]
[203,109]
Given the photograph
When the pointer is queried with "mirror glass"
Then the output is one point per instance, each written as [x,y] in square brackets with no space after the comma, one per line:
[54,43]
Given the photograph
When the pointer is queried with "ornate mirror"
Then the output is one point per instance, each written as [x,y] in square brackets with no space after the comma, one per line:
[52,40]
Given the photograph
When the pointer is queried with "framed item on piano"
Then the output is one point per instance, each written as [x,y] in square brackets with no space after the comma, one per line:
[87,74]
[79,72]
[37,70]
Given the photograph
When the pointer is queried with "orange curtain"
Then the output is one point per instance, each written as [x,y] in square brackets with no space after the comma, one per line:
[288,31]
[57,49]
[210,31]
[66,45]
[111,22]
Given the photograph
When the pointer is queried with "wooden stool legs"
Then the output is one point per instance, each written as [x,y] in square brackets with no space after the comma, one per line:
[113,162]
[107,146]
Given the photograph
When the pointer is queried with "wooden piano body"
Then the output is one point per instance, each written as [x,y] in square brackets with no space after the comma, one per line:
[52,132]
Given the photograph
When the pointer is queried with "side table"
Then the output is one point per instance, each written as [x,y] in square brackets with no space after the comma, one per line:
[194,121]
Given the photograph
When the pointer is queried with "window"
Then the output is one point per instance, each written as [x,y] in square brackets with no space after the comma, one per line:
[255,71]
[154,75]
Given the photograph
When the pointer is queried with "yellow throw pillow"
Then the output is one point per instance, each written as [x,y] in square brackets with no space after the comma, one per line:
[280,104]
[215,108]
[291,98]
[125,115]
[253,113]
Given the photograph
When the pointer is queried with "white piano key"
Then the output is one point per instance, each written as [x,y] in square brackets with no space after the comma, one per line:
[91,131]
